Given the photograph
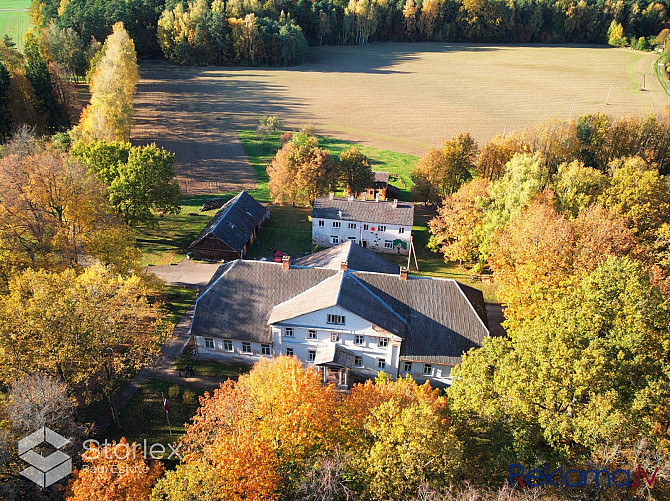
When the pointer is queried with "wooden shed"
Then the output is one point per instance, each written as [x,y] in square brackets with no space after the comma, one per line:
[234,227]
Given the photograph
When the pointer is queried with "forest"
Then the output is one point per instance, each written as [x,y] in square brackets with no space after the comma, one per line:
[276,32]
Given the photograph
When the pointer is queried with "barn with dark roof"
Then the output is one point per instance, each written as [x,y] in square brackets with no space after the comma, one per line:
[234,227]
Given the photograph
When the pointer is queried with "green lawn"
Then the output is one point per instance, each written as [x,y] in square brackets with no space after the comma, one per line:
[261,148]
[177,300]
[289,230]
[15,21]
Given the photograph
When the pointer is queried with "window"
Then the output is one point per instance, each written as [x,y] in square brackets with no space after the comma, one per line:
[337,224]
[358,339]
[265,349]
[401,230]
[334,337]
[388,244]
[438,372]
[381,227]
[227,345]
[246,347]
[381,363]
[336,319]
[311,334]
[358,361]
[288,331]
[321,222]
[351,226]
[209,342]
[408,366]
[383,342]
[366,227]
[311,355]
[334,239]
[427,369]
[289,352]
[353,239]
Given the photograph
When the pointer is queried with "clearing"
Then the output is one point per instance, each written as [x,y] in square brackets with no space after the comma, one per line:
[393,96]
[14,20]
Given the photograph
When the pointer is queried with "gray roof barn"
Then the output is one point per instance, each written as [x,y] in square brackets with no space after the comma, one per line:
[438,319]
[369,211]
[235,222]
[357,258]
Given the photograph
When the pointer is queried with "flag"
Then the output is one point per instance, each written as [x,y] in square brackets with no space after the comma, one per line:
[165,405]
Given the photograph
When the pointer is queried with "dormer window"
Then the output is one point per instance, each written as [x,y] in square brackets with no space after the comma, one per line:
[336,319]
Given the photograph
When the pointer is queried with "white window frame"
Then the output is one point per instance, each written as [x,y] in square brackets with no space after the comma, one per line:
[381,227]
[288,332]
[322,222]
[383,342]
[366,227]
[334,239]
[311,355]
[408,366]
[353,239]
[337,224]
[427,370]
[351,226]
[335,337]
[381,363]
[209,343]
[244,346]
[359,339]
[358,361]
[289,352]
[266,350]
[336,319]
[401,230]
[311,334]
[227,345]
[388,244]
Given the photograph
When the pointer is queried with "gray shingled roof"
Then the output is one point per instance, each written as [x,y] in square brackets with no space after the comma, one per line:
[358,259]
[364,210]
[381,177]
[346,291]
[234,223]
[443,318]
[334,354]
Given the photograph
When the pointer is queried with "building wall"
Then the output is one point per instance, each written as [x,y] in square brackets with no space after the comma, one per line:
[219,348]
[373,240]
[438,374]
[371,350]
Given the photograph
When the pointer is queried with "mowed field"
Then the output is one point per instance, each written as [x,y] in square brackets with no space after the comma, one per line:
[14,19]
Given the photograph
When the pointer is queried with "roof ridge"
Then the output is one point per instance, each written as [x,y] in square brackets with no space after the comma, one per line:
[307,290]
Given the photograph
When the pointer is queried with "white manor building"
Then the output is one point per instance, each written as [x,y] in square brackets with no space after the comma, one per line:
[340,315]
[374,224]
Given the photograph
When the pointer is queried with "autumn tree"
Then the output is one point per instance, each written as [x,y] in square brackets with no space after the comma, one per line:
[88,329]
[445,170]
[54,214]
[301,171]
[355,171]
[253,439]
[594,359]
[116,471]
[494,155]
[577,187]
[109,116]
[456,230]
[5,120]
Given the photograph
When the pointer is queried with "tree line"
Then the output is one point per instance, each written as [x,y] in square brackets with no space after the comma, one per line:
[276,32]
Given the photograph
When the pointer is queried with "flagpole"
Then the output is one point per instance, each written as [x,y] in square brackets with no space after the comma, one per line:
[167,414]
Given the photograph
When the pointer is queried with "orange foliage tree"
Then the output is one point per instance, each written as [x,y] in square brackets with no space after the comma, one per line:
[116,472]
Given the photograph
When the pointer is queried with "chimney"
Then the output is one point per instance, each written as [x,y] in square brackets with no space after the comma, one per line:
[331,195]
[344,266]
[403,273]
[363,195]
[286,262]
[350,198]
[395,203]
[376,196]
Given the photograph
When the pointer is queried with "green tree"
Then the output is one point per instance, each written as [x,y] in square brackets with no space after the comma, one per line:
[140,178]
[577,187]
[355,171]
